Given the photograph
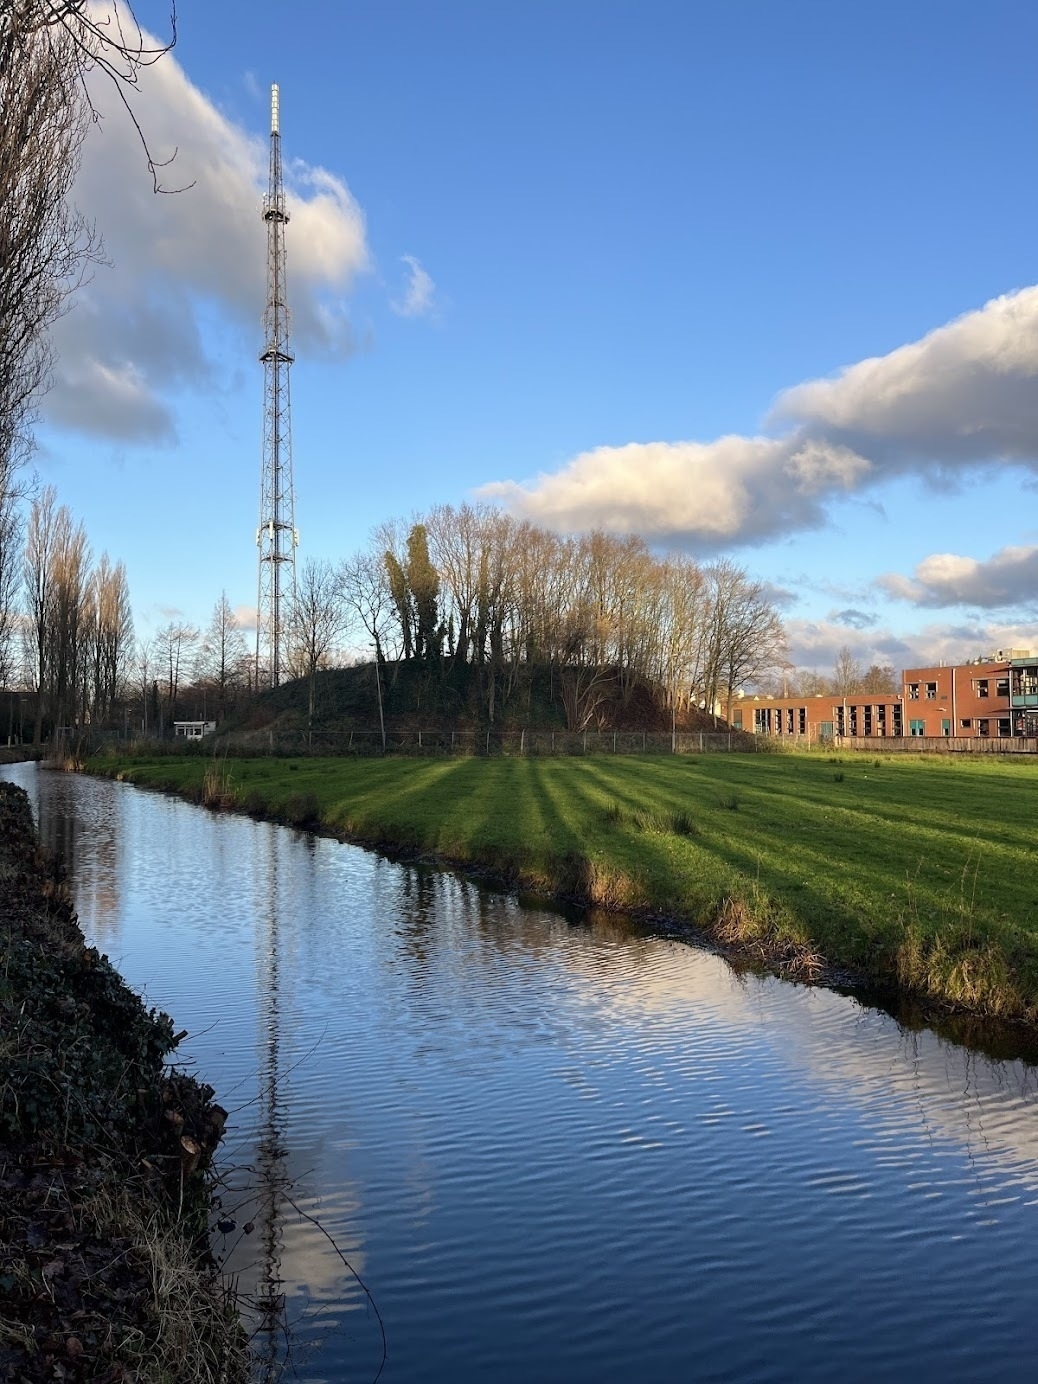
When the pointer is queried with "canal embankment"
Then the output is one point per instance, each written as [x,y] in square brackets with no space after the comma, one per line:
[912,874]
[105,1157]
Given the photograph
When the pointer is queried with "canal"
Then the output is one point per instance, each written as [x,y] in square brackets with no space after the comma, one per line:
[554,1149]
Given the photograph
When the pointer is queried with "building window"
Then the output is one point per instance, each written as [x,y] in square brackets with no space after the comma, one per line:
[913,691]
[981,684]
[983,727]
[737,720]
[915,727]
[789,720]
[946,728]
[803,720]
[931,691]
[1005,725]
[1002,687]
[966,723]
[898,727]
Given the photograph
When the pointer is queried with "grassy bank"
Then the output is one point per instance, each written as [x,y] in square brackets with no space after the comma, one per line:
[104,1200]
[917,872]
[19,754]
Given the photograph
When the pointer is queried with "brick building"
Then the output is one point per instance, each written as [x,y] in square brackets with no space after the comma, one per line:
[820,718]
[966,700]
[988,697]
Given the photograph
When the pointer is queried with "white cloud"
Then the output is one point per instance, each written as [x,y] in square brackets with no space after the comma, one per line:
[1010,578]
[245,618]
[737,489]
[964,396]
[966,393]
[133,333]
[815,644]
[419,292]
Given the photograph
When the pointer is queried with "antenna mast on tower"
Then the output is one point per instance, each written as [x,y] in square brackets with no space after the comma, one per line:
[276,536]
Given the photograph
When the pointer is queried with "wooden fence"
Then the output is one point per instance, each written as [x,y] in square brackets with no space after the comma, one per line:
[940,744]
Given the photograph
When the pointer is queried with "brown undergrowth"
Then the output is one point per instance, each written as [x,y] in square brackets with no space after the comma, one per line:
[105,1197]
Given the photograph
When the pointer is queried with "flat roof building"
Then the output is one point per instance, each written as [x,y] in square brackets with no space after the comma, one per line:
[193,730]
[988,698]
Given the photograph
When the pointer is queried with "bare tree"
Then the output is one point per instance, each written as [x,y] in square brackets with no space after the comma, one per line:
[112,635]
[38,579]
[70,623]
[47,50]
[143,663]
[174,645]
[364,588]
[315,624]
[847,673]
[222,654]
[11,558]
[880,678]
[44,242]
[751,640]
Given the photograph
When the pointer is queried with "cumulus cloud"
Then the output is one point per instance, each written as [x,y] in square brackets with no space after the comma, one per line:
[964,393]
[737,489]
[964,396]
[1010,578]
[815,644]
[133,333]
[419,292]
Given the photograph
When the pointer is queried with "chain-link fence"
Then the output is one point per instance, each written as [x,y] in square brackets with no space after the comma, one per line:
[274,741]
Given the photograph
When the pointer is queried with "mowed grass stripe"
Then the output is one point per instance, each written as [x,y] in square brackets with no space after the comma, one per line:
[917,869]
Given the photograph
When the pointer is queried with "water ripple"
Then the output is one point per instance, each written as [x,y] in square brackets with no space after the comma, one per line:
[556,1151]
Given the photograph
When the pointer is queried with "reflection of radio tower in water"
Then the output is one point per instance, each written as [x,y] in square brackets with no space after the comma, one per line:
[276,535]
[271,1169]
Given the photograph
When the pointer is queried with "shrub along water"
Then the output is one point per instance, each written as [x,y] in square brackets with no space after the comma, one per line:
[914,872]
[104,1198]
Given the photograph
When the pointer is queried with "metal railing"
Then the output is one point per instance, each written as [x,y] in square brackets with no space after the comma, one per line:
[436,742]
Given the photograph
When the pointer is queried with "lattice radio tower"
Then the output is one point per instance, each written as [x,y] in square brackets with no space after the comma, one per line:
[276,536]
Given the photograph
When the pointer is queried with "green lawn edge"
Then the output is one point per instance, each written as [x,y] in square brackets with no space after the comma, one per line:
[915,872]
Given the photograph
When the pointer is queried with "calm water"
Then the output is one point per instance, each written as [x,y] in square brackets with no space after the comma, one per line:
[557,1151]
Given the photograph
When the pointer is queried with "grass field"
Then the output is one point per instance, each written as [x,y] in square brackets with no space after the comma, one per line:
[920,871]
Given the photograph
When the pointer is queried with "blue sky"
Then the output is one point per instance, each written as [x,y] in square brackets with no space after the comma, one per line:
[642,223]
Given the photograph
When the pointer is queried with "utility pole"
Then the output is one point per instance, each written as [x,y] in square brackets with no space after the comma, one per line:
[276,536]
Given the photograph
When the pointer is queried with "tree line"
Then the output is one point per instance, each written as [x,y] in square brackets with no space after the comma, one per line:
[462,594]
[67,636]
[468,585]
[849,678]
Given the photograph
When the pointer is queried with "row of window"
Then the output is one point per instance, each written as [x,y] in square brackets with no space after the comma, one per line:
[870,720]
[981,688]
[779,720]
[1003,725]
